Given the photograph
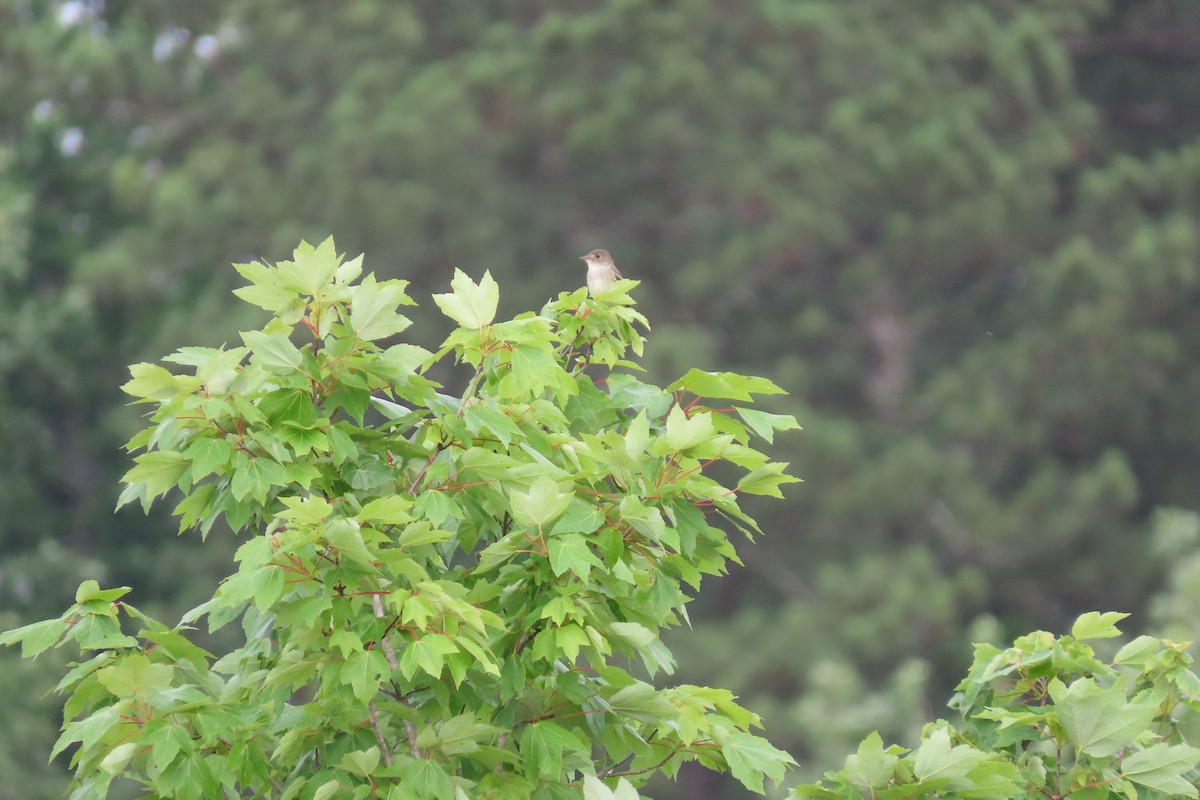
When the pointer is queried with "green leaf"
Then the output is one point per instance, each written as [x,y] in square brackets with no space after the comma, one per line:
[99,632]
[254,477]
[89,591]
[750,758]
[394,509]
[208,455]
[728,385]
[765,424]
[471,305]
[360,762]
[570,552]
[158,470]
[1163,767]
[595,789]
[457,735]
[428,775]
[274,350]
[345,535]
[871,767]
[326,789]
[35,637]
[1098,720]
[644,703]
[401,360]
[542,745]
[363,670]
[88,730]
[483,420]
[136,676]
[542,504]
[1094,625]
[766,480]
[684,432]
[152,381]
[427,654]
[580,517]
[373,306]
[419,533]
[1138,652]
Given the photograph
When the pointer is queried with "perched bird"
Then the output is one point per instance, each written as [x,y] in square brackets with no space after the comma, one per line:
[601,270]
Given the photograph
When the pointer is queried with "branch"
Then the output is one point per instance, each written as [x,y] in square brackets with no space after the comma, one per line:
[385,752]
[612,771]
[388,652]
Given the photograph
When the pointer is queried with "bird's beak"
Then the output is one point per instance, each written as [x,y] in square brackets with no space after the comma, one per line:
[583,258]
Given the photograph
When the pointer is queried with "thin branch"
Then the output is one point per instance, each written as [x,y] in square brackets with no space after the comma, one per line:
[612,772]
[388,652]
[385,752]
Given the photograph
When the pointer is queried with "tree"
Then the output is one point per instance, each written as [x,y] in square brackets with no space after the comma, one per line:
[440,596]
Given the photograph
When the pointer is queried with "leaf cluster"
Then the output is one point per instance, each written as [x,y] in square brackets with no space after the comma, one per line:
[1047,718]
[441,595]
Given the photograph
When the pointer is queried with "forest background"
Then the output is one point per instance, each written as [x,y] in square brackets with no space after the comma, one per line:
[963,234]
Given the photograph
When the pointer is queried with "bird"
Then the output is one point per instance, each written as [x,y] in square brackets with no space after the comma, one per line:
[601,270]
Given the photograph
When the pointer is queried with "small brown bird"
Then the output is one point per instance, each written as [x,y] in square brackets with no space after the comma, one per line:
[601,271]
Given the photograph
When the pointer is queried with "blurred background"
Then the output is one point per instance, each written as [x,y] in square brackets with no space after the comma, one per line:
[963,235]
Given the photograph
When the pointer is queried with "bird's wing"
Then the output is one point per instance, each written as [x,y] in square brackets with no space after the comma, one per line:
[616,272]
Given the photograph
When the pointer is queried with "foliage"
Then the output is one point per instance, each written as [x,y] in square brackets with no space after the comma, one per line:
[438,594]
[1047,718]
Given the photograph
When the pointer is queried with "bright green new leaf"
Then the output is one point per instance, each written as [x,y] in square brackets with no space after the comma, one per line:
[726,385]
[1137,652]
[274,350]
[1098,720]
[684,431]
[542,504]
[471,305]
[766,480]
[118,757]
[345,536]
[765,424]
[401,360]
[89,591]
[361,762]
[159,470]
[152,382]
[596,789]
[136,676]
[392,509]
[373,306]
[871,767]
[1094,625]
